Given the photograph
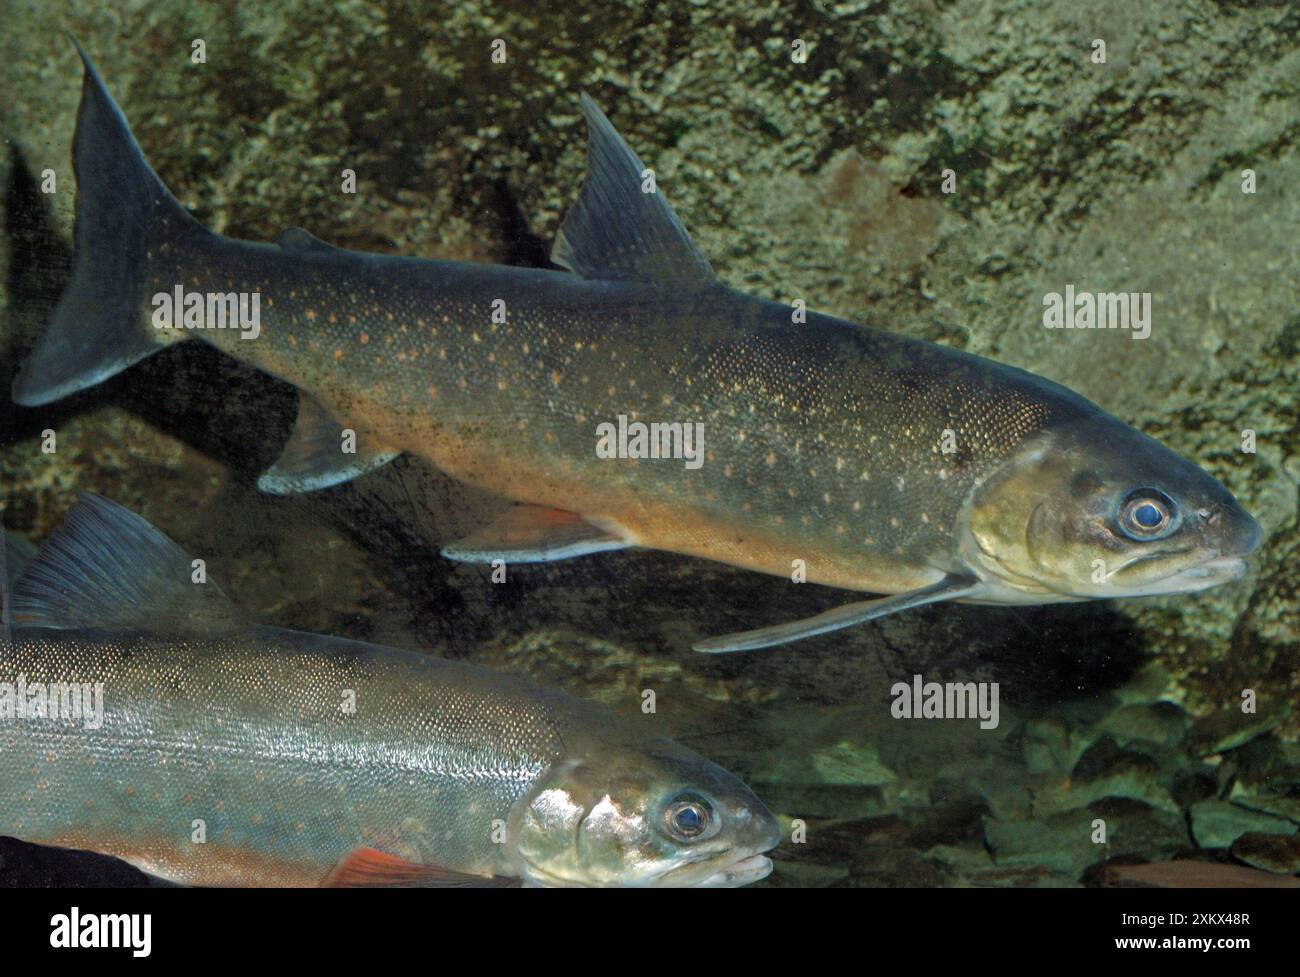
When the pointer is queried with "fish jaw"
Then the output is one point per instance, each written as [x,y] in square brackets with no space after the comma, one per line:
[732,874]
[1213,572]
[755,868]
[736,870]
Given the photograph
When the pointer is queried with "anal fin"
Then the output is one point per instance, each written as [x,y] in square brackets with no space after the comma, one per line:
[314,456]
[533,534]
[948,588]
[368,868]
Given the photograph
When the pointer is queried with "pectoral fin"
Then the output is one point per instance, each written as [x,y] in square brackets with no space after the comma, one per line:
[533,534]
[368,868]
[949,588]
[319,453]
[15,554]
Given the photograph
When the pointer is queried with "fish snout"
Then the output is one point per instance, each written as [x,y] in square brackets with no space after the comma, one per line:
[1232,530]
[755,832]
[759,830]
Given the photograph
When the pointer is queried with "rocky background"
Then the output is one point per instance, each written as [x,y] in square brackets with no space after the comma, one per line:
[817,180]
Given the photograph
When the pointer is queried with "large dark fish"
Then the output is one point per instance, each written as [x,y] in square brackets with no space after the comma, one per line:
[855,457]
[140,717]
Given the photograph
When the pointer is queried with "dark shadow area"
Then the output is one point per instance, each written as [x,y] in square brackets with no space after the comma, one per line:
[523,247]
[27,866]
[40,263]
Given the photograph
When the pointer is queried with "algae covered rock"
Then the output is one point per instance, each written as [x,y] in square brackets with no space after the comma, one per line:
[1218,824]
[1271,852]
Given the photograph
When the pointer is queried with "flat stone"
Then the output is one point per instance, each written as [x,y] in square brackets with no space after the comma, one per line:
[964,858]
[1188,874]
[1273,853]
[1162,723]
[1134,783]
[1217,824]
[1284,806]
[847,764]
[1063,843]
[1232,729]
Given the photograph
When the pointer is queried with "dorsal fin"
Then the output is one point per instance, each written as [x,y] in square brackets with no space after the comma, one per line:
[108,568]
[297,239]
[15,554]
[618,232]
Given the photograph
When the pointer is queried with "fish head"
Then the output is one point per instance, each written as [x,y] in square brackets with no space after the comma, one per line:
[1097,509]
[657,816]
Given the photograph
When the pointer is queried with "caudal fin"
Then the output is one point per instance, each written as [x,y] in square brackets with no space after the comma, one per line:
[123,211]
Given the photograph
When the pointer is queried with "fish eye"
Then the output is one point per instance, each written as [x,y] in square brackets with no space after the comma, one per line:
[1147,514]
[688,817]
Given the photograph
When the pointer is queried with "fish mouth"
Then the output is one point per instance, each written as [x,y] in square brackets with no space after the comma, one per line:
[709,874]
[1201,576]
[752,868]
[701,874]
[1221,569]
[728,869]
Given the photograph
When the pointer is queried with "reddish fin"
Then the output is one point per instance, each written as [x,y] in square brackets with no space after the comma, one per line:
[370,868]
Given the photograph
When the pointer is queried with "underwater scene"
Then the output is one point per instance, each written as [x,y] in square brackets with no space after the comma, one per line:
[786,444]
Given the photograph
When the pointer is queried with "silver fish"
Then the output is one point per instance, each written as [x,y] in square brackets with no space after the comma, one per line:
[141,717]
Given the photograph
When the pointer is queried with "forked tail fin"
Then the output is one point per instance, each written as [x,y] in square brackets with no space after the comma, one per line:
[123,211]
